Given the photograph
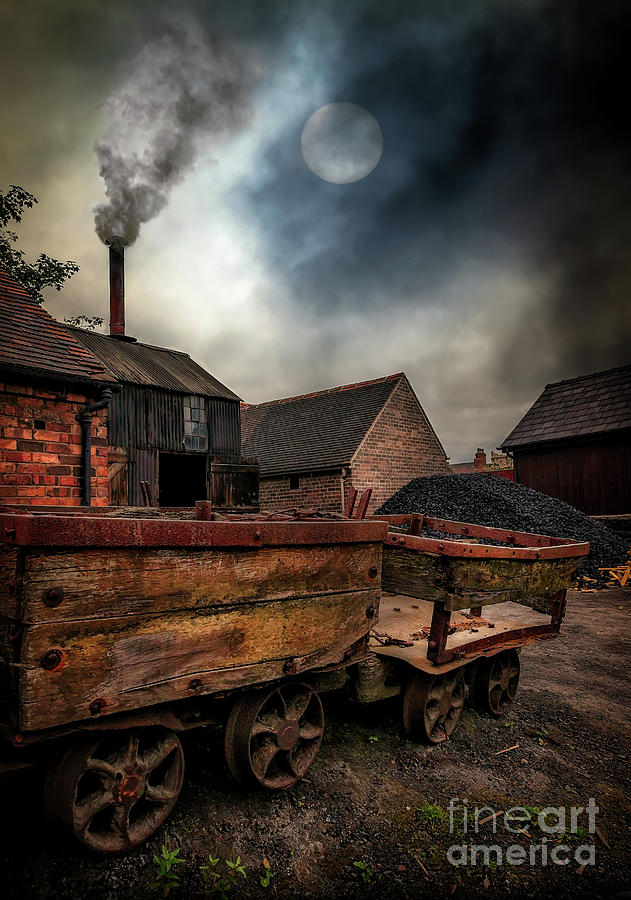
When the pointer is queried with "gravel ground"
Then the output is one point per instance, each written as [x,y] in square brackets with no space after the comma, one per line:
[499,503]
[375,798]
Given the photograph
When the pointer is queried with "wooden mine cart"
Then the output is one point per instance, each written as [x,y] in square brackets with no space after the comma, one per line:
[431,638]
[116,633]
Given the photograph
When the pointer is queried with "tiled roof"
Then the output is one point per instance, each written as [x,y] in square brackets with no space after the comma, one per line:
[313,432]
[30,339]
[579,407]
[131,362]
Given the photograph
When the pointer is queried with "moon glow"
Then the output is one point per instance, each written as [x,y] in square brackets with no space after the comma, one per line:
[341,142]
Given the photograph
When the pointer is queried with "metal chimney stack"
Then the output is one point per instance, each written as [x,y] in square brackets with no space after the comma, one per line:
[117,285]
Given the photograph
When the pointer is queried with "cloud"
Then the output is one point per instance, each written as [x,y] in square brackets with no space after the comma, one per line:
[485,255]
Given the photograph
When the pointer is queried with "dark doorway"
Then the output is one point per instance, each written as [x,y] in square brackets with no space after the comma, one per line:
[182,478]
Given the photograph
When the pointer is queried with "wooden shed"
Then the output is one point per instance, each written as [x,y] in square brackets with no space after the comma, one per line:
[173,426]
[574,443]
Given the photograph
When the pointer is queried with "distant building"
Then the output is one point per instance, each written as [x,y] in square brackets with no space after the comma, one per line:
[574,442]
[501,464]
[312,447]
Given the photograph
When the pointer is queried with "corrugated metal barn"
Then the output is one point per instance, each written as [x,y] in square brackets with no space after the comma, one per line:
[172,426]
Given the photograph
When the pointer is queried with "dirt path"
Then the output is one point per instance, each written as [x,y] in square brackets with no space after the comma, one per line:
[376,799]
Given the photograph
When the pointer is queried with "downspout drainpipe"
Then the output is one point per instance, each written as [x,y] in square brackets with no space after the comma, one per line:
[85,420]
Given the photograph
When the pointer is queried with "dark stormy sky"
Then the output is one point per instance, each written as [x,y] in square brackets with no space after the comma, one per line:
[485,255]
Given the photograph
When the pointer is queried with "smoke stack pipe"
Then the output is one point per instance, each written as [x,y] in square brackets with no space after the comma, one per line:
[117,285]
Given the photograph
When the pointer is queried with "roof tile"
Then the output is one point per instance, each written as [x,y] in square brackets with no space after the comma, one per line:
[31,339]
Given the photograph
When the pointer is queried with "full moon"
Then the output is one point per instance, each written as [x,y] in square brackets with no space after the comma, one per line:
[341,142]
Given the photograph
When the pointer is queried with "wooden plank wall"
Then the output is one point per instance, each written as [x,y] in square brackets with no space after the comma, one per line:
[594,476]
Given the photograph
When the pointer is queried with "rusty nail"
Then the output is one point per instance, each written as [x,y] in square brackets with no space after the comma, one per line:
[373,571]
[441,546]
[402,540]
[433,645]
[290,667]
[439,579]
[51,659]
[195,685]
[97,706]
[370,612]
[257,535]
[53,596]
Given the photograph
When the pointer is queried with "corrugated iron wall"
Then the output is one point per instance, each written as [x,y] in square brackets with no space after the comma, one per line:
[144,421]
[224,423]
[146,418]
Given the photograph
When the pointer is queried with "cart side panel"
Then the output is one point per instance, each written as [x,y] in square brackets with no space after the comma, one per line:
[128,662]
[471,582]
[482,582]
[9,623]
[412,573]
[96,583]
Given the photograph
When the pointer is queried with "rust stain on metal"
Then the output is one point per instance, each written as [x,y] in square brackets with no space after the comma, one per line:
[95,531]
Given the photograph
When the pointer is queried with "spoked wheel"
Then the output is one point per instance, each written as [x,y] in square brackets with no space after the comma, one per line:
[113,791]
[272,737]
[432,705]
[495,682]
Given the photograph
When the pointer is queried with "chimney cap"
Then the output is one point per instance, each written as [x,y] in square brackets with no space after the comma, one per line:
[115,240]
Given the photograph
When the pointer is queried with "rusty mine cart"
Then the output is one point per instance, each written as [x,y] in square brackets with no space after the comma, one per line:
[118,633]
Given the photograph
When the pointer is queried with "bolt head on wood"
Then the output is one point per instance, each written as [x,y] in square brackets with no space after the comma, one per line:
[53,596]
[51,659]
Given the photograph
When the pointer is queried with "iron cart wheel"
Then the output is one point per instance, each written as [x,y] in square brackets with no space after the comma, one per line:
[113,791]
[495,682]
[432,705]
[273,736]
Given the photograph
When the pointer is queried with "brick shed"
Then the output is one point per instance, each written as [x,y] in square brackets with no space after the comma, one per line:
[575,442]
[311,448]
[48,379]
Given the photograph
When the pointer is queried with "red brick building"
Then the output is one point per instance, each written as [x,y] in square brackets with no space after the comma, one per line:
[311,448]
[48,380]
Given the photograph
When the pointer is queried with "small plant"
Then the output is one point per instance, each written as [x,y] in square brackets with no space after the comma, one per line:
[267,875]
[364,871]
[373,739]
[166,879]
[220,883]
[432,815]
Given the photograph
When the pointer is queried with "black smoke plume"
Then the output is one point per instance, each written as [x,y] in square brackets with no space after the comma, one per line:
[186,86]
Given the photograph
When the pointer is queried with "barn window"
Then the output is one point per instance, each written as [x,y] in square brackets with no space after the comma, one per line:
[294,482]
[195,437]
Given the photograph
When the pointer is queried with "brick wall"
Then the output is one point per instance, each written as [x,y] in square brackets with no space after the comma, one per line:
[40,447]
[317,489]
[400,446]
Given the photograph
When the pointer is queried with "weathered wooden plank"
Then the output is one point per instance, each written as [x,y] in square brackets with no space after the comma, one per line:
[463,583]
[9,560]
[484,582]
[411,573]
[116,582]
[133,661]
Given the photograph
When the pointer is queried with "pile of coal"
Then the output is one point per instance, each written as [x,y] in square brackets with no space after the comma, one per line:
[490,500]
